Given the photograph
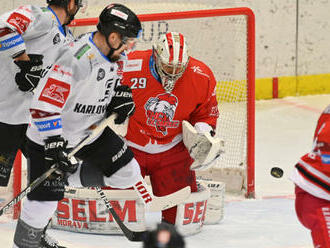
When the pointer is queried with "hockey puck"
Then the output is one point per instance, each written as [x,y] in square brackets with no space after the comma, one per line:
[276,172]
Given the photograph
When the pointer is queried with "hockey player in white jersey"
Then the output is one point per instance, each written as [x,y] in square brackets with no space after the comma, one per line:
[30,37]
[80,89]
[29,40]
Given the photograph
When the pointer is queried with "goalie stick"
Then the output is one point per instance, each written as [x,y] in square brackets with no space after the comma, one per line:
[129,234]
[153,203]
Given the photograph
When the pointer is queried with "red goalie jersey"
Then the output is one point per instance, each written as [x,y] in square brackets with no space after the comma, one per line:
[312,172]
[156,127]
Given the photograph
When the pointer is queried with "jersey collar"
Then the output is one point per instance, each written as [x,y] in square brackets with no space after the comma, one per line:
[91,40]
[60,27]
[152,67]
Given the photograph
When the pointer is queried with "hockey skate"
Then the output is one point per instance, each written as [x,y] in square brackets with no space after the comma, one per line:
[48,242]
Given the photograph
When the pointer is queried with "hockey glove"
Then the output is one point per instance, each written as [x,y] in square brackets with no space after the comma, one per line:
[55,154]
[202,147]
[122,104]
[28,78]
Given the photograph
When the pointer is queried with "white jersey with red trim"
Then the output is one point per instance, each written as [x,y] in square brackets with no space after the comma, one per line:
[36,30]
[312,172]
[156,125]
[74,94]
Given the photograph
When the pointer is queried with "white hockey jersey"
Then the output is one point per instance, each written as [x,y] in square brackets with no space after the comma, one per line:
[38,31]
[74,94]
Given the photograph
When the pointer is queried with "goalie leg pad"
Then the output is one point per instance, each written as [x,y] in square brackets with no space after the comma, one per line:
[109,153]
[215,205]
[51,189]
[191,214]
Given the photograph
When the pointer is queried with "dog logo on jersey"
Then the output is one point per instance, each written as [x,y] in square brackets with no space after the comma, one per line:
[100,74]
[160,111]
[57,39]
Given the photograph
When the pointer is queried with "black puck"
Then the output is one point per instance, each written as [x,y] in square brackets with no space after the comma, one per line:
[276,172]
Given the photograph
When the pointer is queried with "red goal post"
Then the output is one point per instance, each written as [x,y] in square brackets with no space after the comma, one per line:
[225,40]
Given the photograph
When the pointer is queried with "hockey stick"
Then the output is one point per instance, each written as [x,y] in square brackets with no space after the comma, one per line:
[106,122]
[129,234]
[153,203]
[28,189]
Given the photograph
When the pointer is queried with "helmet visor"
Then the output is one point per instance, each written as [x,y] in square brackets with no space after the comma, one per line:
[172,70]
[130,42]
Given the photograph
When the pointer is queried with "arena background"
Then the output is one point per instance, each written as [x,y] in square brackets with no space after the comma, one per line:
[292,39]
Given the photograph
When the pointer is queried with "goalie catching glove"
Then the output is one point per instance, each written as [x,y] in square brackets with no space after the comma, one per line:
[122,104]
[202,147]
[28,78]
[55,155]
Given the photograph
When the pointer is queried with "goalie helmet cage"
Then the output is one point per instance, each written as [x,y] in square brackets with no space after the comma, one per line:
[224,39]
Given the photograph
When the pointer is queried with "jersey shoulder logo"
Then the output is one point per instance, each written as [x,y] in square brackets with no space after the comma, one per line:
[19,21]
[100,74]
[160,111]
[198,70]
[55,92]
[57,39]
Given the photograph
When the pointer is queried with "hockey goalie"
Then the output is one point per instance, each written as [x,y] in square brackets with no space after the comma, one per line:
[171,131]
[171,135]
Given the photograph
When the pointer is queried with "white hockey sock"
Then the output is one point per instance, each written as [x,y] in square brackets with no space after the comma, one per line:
[125,177]
[37,213]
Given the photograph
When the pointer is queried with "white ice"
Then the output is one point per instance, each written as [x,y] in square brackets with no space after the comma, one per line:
[284,132]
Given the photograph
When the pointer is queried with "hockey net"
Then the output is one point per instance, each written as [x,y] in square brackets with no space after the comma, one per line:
[224,40]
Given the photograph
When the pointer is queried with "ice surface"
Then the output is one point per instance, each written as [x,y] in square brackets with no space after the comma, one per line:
[284,131]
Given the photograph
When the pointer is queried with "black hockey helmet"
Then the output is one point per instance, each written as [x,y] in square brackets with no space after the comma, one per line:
[118,18]
[64,3]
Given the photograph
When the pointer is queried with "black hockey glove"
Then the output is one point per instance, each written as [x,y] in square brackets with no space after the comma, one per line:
[122,104]
[55,153]
[28,78]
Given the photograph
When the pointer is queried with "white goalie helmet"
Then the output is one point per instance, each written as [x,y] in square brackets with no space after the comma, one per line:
[171,57]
